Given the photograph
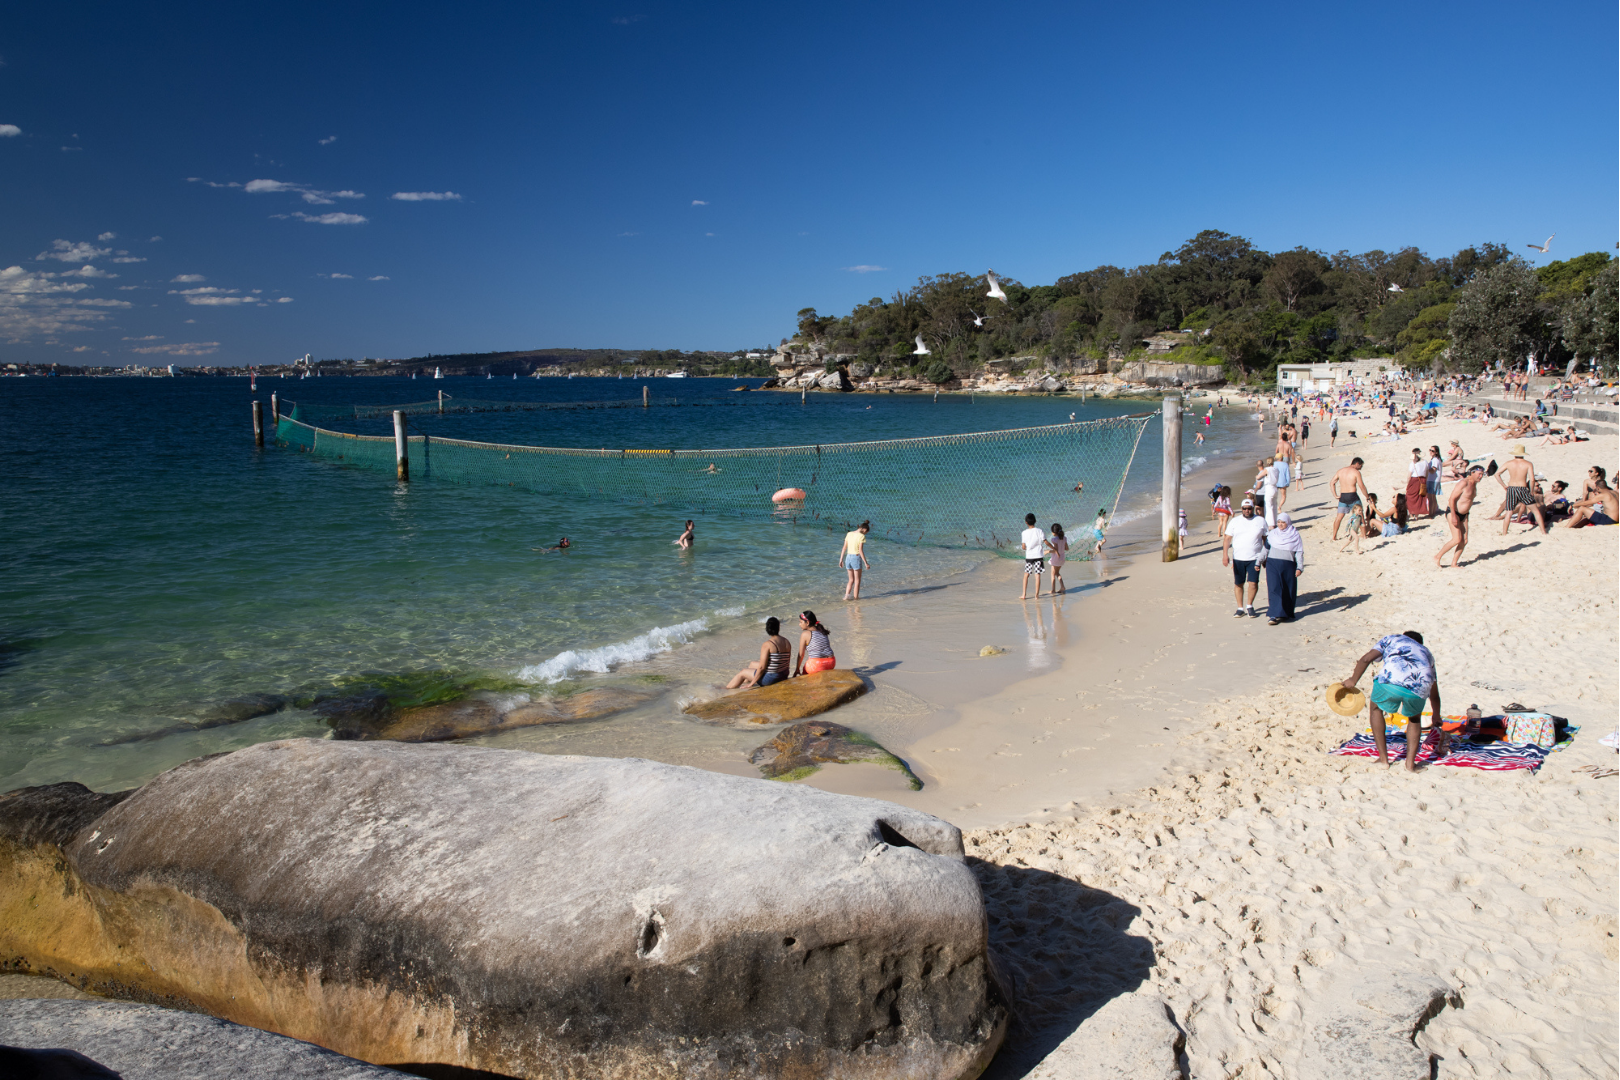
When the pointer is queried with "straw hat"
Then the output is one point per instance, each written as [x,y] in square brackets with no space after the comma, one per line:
[1344,700]
[1518,451]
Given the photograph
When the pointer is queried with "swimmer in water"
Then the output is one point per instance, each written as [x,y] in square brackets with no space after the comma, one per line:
[561,545]
[684,541]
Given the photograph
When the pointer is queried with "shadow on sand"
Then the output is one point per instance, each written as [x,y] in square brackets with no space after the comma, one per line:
[1063,950]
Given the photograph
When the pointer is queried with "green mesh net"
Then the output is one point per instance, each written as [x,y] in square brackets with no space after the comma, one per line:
[947,490]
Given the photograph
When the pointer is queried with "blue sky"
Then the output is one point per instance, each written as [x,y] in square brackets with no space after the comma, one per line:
[654,175]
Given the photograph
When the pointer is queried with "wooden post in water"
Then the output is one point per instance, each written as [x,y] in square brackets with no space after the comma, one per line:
[644,393]
[275,410]
[441,402]
[1170,514]
[258,424]
[400,456]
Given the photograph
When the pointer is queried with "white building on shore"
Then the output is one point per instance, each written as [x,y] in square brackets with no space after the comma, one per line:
[1310,378]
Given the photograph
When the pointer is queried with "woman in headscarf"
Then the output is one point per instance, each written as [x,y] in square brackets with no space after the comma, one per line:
[1284,563]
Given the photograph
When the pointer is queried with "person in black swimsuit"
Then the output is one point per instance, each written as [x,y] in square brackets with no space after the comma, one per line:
[772,665]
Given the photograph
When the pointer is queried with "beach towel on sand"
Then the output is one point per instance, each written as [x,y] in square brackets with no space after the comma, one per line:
[1491,757]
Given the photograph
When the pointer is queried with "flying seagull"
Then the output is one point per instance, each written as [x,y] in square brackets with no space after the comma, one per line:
[995,287]
[1394,288]
[978,320]
[1542,248]
[921,349]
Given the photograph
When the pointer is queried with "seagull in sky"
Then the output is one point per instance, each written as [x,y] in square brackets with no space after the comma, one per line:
[978,320]
[995,287]
[1542,248]
[921,349]
[1394,288]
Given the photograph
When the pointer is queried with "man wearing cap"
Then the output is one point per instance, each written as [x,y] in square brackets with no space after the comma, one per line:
[1515,477]
[1243,548]
[1405,678]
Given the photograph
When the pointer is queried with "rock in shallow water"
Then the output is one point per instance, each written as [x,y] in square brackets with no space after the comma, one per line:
[800,750]
[525,914]
[783,702]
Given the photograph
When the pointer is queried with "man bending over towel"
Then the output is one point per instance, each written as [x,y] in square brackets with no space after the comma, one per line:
[1404,680]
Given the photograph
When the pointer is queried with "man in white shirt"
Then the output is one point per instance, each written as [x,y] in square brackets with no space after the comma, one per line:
[1034,556]
[1243,548]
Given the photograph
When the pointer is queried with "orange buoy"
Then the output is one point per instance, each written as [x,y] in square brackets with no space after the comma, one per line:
[788,495]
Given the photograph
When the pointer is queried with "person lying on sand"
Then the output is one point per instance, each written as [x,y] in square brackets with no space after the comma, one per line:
[1405,678]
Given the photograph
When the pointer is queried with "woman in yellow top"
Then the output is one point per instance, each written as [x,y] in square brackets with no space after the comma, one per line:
[853,559]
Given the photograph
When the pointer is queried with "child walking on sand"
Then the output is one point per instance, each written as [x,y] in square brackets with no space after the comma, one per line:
[1058,545]
[1034,556]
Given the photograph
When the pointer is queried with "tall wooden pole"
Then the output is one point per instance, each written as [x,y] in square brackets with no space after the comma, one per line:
[275,410]
[644,393]
[400,456]
[258,423]
[1170,513]
[441,402]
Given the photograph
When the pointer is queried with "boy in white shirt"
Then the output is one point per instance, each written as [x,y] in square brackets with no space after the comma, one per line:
[1034,556]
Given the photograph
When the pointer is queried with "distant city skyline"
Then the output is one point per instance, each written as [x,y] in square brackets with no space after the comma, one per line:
[194,184]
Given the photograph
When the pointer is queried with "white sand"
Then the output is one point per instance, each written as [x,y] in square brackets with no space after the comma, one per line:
[1250,893]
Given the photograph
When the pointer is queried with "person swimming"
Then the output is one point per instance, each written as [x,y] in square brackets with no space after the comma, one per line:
[560,545]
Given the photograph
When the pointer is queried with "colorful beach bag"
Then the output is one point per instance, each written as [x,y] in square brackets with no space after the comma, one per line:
[1530,729]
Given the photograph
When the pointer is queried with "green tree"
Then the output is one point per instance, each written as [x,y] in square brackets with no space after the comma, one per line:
[1589,320]
[1425,338]
[1497,317]
[1294,274]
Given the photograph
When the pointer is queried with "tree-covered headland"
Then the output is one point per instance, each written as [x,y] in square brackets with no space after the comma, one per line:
[1249,310]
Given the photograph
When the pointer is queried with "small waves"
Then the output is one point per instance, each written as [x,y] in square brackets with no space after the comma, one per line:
[660,639]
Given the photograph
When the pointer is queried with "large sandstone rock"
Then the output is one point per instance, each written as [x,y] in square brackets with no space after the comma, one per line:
[1369,1028]
[784,702]
[796,752]
[524,914]
[143,1042]
[1132,1036]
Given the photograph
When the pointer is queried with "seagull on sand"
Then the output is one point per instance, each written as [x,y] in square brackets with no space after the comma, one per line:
[1543,247]
[995,287]
[921,349]
[1394,288]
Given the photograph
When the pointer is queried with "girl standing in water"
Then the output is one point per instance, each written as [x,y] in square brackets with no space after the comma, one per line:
[852,557]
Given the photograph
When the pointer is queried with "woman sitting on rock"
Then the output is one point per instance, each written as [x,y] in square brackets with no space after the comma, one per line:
[815,651]
[772,665]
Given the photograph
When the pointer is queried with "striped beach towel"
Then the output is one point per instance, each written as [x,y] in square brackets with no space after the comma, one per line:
[1492,757]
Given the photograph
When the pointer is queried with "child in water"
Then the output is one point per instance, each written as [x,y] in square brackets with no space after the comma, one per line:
[684,541]
[1098,529]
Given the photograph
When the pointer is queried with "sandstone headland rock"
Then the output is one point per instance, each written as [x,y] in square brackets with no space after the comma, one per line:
[525,914]
[783,702]
[800,750]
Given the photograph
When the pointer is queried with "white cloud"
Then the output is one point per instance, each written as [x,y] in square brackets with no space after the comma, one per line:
[188,278]
[154,239]
[284,299]
[71,149]
[206,290]
[629,234]
[341,277]
[87,271]
[699,202]
[63,251]
[179,348]
[33,304]
[328,141]
[426,196]
[253,187]
[863,268]
[708,234]
[330,219]
[220,301]
[379,277]
[9,130]
[148,337]
[106,236]
[129,259]
[128,288]
[314,196]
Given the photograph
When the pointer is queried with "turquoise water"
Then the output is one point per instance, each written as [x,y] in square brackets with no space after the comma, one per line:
[158,565]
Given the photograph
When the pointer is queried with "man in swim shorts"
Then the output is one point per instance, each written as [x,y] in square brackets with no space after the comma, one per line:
[1515,478]
[1404,680]
[1462,501]
[1349,488]
[1034,541]
[1602,507]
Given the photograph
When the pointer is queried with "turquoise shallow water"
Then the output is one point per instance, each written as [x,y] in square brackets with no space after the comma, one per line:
[156,564]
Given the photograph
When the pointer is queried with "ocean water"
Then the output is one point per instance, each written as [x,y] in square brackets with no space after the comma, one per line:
[158,565]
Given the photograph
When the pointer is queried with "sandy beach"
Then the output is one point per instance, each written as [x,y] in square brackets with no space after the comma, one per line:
[1261,883]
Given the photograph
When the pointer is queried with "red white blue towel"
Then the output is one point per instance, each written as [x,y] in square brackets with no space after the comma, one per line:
[1492,757]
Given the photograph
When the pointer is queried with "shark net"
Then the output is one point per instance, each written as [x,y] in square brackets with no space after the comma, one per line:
[948,490]
[447,405]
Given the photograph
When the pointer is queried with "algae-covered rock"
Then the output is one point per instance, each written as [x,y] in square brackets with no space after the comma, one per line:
[457,908]
[800,750]
[585,705]
[783,702]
